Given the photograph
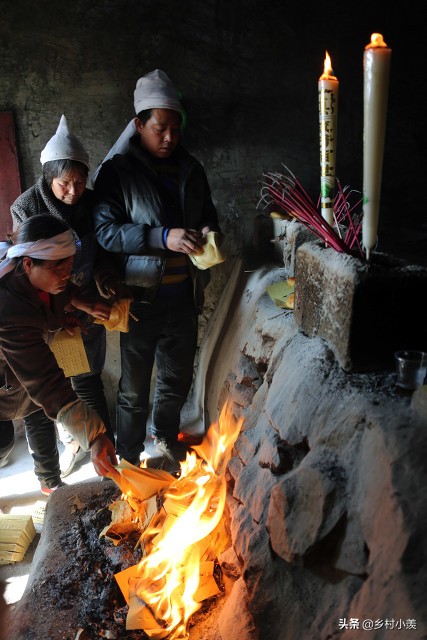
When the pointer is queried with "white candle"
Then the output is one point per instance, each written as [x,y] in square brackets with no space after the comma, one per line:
[376,65]
[328,86]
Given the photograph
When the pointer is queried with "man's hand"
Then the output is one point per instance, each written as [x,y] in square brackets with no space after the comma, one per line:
[185,241]
[103,456]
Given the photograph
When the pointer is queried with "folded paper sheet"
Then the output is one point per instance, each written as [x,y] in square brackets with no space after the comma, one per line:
[38,512]
[143,483]
[70,353]
[283,293]
[211,253]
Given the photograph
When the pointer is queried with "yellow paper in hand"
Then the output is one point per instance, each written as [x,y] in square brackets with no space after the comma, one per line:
[119,316]
[211,253]
[70,352]
[140,482]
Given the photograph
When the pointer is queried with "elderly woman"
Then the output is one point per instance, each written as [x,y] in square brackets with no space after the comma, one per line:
[34,289]
[62,194]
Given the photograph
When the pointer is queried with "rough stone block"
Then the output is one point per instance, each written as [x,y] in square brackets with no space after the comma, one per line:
[365,312]
[294,234]
[278,239]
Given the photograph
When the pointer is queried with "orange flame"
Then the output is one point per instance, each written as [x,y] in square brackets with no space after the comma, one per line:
[377,40]
[327,68]
[187,534]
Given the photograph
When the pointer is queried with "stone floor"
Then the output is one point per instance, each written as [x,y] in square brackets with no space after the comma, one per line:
[20,494]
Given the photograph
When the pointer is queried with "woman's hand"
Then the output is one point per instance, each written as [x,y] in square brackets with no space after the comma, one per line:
[103,457]
[93,307]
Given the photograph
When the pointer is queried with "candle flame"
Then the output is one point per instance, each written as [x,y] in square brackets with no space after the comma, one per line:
[376,41]
[327,68]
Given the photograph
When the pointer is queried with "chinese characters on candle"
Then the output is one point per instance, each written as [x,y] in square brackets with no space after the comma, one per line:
[376,66]
[328,112]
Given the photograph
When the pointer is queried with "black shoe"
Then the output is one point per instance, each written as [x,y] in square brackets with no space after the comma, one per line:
[167,455]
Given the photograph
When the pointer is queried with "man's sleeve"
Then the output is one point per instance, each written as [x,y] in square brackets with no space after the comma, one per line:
[114,228]
[112,225]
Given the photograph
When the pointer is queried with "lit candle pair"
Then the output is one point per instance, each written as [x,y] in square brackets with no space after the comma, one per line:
[376,64]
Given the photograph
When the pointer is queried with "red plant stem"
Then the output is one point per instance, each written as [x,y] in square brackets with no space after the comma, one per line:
[292,204]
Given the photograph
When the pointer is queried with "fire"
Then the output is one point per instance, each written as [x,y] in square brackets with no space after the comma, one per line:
[183,538]
[377,40]
[327,68]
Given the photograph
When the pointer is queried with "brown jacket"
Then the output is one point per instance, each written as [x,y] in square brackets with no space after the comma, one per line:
[30,377]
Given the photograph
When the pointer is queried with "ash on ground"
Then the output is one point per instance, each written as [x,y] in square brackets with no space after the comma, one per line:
[75,576]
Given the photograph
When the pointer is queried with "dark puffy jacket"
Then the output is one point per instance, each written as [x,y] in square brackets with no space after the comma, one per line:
[129,213]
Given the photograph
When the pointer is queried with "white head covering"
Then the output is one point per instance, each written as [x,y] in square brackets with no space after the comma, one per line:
[55,248]
[156,91]
[153,91]
[64,146]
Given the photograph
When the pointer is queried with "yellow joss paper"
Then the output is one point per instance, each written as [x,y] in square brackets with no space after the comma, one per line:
[119,316]
[283,293]
[16,534]
[70,352]
[211,253]
[140,482]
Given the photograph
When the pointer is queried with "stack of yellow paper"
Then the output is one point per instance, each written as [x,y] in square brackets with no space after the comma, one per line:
[38,511]
[16,534]
[70,352]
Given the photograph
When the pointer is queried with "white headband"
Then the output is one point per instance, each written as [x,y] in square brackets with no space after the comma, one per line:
[55,248]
